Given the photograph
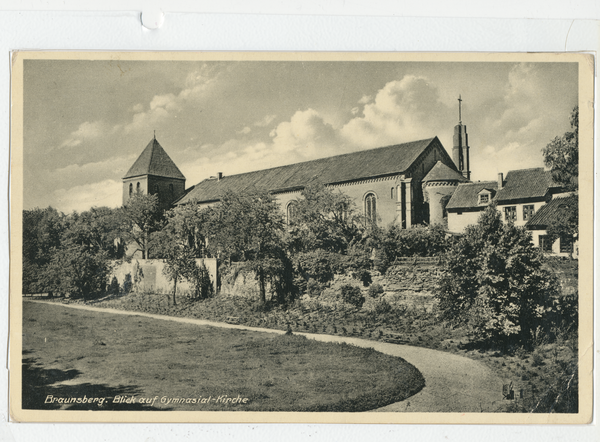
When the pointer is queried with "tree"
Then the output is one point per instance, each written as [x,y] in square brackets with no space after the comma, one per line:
[77,270]
[99,228]
[42,232]
[143,216]
[493,281]
[179,243]
[248,228]
[561,155]
[324,219]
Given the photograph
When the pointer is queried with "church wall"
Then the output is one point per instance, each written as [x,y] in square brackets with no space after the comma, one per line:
[165,196]
[434,192]
[142,180]
[386,193]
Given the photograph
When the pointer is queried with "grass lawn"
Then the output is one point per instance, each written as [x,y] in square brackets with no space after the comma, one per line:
[126,361]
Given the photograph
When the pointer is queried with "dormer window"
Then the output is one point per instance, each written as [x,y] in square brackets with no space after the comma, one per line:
[484,198]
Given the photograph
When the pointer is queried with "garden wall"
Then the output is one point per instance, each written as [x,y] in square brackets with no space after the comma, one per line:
[147,275]
[410,281]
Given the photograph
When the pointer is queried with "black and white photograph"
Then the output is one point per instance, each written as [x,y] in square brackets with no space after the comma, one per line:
[301,237]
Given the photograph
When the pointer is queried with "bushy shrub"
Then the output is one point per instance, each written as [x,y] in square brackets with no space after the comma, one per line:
[313,288]
[113,288]
[493,281]
[127,284]
[352,295]
[319,265]
[382,307]
[200,279]
[396,242]
[375,290]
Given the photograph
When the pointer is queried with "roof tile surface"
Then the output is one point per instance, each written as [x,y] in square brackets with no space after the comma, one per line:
[337,169]
[154,161]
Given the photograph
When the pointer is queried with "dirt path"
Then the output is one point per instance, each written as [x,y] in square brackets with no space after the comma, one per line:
[452,383]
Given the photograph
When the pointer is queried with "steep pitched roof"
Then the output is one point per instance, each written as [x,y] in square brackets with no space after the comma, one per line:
[467,195]
[556,209]
[526,183]
[337,169]
[154,161]
[441,172]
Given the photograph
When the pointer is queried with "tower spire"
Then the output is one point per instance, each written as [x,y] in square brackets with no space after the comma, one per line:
[459,110]
[155,134]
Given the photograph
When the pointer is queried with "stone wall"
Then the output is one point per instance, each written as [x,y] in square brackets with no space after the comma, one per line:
[148,276]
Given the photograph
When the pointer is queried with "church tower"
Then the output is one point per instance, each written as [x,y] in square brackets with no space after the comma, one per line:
[154,173]
[460,151]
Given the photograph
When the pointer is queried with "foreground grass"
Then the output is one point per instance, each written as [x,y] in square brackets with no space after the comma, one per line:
[544,380]
[75,354]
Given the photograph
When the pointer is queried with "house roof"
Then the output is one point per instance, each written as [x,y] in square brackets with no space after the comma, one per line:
[441,172]
[467,195]
[337,169]
[154,161]
[525,183]
[556,209]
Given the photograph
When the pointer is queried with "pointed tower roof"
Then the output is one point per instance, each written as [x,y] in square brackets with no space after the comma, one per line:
[441,172]
[154,161]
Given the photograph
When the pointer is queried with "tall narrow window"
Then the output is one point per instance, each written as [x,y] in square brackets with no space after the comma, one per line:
[138,187]
[371,207]
[130,189]
[291,212]
[156,189]
[393,192]
[566,244]
[510,214]
[545,244]
[528,211]
[171,190]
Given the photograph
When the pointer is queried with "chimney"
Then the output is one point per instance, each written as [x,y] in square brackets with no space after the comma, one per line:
[219,176]
[500,180]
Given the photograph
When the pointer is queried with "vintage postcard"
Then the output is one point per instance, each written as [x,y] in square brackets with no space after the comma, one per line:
[301,237]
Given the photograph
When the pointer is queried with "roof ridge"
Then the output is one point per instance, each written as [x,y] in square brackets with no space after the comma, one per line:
[429,140]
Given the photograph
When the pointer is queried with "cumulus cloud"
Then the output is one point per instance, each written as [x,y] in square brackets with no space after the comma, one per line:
[83,197]
[268,119]
[306,134]
[244,131]
[85,131]
[165,106]
[402,110]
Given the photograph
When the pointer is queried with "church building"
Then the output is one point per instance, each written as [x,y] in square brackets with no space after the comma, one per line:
[407,184]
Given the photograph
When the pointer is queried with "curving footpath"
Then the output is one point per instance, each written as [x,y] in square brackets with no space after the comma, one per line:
[452,383]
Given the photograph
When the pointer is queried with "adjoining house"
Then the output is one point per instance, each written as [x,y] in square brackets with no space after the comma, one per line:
[557,210]
[518,197]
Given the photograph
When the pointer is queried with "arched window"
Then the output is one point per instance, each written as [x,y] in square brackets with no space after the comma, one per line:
[371,207]
[393,192]
[130,189]
[138,188]
[291,212]
[156,189]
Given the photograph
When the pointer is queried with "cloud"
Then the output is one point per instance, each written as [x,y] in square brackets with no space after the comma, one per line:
[85,131]
[403,110]
[365,99]
[307,134]
[168,106]
[268,119]
[83,197]
[244,131]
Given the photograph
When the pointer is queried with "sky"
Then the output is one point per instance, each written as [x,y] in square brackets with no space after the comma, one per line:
[86,122]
